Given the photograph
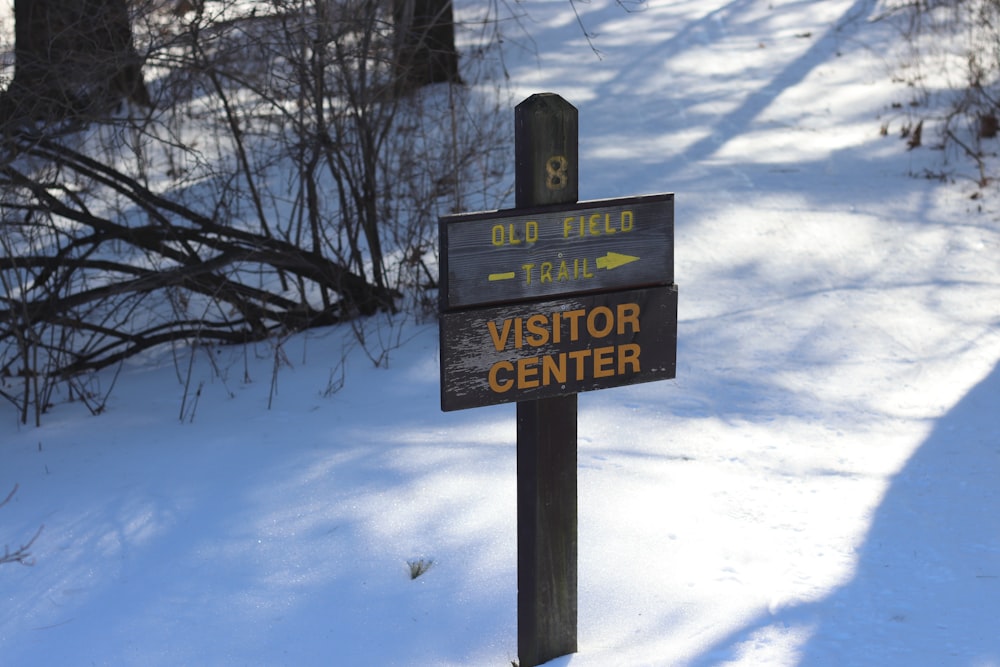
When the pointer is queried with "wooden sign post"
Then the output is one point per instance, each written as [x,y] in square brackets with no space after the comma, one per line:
[546,172]
[537,304]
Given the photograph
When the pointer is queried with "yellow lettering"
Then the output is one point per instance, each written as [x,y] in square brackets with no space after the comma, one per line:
[574,322]
[553,371]
[628,355]
[546,272]
[563,272]
[578,356]
[538,333]
[531,231]
[628,313]
[588,363]
[604,361]
[598,223]
[609,322]
[588,325]
[586,273]
[527,372]
[500,235]
[527,272]
[497,385]
[594,226]
[499,338]
[513,235]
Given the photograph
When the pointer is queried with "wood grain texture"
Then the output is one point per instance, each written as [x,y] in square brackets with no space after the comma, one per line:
[533,253]
[546,172]
[469,346]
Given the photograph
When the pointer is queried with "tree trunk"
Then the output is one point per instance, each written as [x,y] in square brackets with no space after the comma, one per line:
[72,58]
[426,52]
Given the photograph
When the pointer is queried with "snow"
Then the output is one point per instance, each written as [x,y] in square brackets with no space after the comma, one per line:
[817,486]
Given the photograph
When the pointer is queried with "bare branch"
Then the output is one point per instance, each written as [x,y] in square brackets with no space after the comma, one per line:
[21,554]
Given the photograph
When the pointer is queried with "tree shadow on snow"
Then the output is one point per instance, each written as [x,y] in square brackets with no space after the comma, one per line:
[926,589]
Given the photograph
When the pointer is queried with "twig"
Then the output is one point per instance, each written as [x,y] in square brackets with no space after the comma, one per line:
[975,155]
[587,34]
[9,496]
[22,554]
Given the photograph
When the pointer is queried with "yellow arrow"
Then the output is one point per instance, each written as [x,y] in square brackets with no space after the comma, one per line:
[613,260]
[501,276]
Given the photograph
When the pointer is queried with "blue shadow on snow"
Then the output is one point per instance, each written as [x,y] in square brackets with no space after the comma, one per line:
[926,589]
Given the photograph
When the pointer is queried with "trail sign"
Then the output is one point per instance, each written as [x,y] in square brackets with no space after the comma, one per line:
[508,255]
[500,343]
[504,337]
[533,350]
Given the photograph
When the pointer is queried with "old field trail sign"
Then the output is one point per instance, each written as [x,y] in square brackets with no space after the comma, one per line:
[537,304]
[604,331]
[516,255]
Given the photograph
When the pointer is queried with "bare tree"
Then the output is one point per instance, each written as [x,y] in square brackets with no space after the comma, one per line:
[425,42]
[280,180]
[72,58]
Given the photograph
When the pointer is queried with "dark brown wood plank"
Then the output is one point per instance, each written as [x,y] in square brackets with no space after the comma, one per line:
[546,172]
[537,350]
[535,253]
[547,543]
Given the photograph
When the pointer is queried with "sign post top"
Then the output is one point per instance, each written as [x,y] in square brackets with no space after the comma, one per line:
[546,104]
[545,151]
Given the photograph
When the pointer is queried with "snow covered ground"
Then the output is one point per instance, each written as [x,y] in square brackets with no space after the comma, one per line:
[819,485]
